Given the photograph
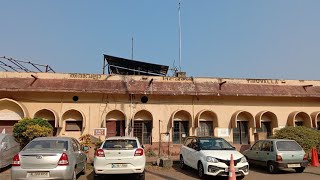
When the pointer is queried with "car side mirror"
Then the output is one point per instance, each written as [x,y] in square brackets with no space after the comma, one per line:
[234,148]
[4,145]
[142,146]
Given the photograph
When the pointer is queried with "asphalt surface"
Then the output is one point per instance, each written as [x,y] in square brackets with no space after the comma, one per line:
[175,173]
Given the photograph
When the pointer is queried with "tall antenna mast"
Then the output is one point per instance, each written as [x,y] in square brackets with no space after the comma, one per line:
[132,48]
[179,37]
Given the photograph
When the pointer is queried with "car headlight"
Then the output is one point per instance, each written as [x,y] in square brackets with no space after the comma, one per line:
[212,159]
[243,160]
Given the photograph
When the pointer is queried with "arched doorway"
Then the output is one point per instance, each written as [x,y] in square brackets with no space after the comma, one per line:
[266,121]
[115,123]
[299,118]
[142,126]
[181,123]
[242,123]
[316,120]
[206,122]
[10,113]
[50,116]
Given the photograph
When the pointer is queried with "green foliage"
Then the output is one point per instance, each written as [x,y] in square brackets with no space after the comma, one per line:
[306,137]
[27,129]
[85,140]
[151,153]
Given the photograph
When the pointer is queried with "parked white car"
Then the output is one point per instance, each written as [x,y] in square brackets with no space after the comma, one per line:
[211,156]
[120,155]
[8,148]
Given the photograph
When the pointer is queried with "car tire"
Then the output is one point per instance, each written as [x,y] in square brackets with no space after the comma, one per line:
[182,164]
[272,168]
[240,177]
[200,171]
[96,176]
[299,169]
[141,176]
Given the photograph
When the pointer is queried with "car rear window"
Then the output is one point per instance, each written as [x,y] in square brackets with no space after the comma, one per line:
[288,146]
[47,145]
[120,144]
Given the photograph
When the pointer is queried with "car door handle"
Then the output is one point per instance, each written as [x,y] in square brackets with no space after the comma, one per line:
[257,152]
[267,153]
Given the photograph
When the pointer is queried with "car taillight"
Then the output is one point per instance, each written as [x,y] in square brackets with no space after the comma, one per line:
[100,153]
[139,152]
[63,161]
[279,158]
[305,157]
[16,160]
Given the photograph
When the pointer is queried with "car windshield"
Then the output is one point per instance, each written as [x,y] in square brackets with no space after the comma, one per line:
[37,145]
[288,146]
[120,144]
[214,144]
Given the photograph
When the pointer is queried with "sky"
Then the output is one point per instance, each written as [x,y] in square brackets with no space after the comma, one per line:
[268,39]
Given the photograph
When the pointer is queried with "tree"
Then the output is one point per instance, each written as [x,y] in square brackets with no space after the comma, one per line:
[27,129]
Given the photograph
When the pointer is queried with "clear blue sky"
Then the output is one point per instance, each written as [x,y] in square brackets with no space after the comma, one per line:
[278,39]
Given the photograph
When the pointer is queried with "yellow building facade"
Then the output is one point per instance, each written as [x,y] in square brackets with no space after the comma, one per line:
[161,111]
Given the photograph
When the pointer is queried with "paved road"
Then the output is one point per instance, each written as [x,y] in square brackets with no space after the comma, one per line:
[175,173]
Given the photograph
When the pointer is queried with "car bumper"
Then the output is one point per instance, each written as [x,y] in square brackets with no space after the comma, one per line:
[60,172]
[221,169]
[283,165]
[101,167]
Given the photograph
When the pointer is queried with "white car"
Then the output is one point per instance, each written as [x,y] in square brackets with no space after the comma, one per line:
[120,155]
[211,156]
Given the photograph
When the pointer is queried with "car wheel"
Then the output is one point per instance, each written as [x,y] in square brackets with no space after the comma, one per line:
[141,176]
[96,176]
[200,170]
[272,168]
[299,169]
[182,165]
[240,177]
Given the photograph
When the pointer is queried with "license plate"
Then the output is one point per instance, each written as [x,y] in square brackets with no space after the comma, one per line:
[38,174]
[119,165]
[293,165]
[227,170]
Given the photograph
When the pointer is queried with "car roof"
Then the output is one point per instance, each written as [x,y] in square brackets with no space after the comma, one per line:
[54,138]
[277,140]
[121,137]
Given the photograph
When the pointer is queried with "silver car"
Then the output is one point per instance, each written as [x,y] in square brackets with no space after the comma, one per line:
[8,148]
[49,158]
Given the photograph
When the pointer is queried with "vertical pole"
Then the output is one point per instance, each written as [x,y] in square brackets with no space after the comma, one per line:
[159,140]
[132,48]
[104,65]
[179,37]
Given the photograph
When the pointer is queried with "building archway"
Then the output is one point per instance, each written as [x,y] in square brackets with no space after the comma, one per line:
[206,121]
[299,118]
[51,116]
[142,126]
[243,126]
[74,122]
[11,112]
[181,124]
[115,123]
[266,121]
[316,120]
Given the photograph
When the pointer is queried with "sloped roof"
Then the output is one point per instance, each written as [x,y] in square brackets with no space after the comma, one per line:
[156,87]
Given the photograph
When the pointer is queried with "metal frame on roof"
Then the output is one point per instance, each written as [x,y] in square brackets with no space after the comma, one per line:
[9,64]
[124,66]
